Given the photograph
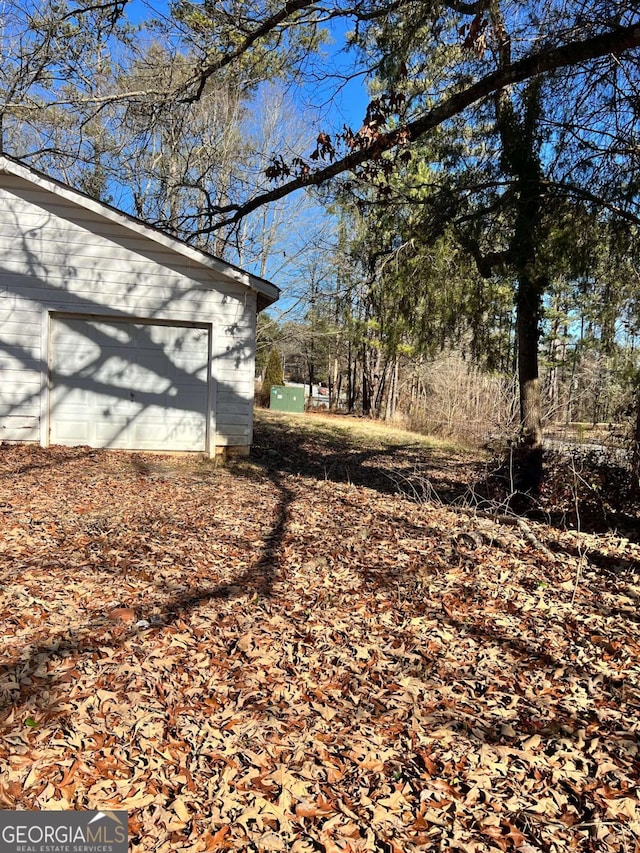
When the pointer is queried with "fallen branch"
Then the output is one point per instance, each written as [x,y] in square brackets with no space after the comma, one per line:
[514,521]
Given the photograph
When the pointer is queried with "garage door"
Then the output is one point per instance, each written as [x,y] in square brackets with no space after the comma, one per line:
[139,386]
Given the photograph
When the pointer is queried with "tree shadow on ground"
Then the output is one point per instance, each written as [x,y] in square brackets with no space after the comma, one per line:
[589,494]
[33,459]
[479,723]
[410,468]
[25,677]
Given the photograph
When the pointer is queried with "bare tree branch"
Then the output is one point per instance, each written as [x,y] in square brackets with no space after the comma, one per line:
[620,41]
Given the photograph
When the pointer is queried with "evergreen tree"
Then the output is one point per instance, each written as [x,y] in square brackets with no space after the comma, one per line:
[272,375]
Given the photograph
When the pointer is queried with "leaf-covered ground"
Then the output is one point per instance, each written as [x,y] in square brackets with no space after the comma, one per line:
[288,653]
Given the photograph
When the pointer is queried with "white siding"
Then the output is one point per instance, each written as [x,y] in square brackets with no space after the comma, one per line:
[57,257]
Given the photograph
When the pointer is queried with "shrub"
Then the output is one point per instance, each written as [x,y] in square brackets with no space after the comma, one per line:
[272,375]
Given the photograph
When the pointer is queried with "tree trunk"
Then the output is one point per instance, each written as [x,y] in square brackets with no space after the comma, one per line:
[528,314]
[366,383]
[529,461]
[334,379]
[312,378]
[531,287]
[378,384]
[392,395]
[635,456]
[337,393]
[520,142]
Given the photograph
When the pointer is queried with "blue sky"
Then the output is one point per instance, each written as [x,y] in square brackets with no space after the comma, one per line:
[347,101]
[326,104]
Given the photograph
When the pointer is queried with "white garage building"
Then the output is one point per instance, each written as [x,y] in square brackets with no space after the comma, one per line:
[114,334]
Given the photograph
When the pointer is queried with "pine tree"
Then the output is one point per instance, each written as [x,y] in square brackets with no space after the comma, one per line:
[272,375]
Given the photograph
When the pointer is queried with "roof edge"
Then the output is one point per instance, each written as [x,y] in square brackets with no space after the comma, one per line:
[268,291]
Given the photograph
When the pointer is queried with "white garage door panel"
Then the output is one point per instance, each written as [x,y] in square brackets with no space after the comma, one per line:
[128,385]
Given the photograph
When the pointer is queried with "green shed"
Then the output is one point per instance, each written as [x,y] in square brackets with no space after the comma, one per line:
[285,399]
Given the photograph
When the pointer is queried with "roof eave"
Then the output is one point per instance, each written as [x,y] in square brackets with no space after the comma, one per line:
[267,292]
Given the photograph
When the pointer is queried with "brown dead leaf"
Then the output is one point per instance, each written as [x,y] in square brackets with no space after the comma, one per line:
[300,682]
